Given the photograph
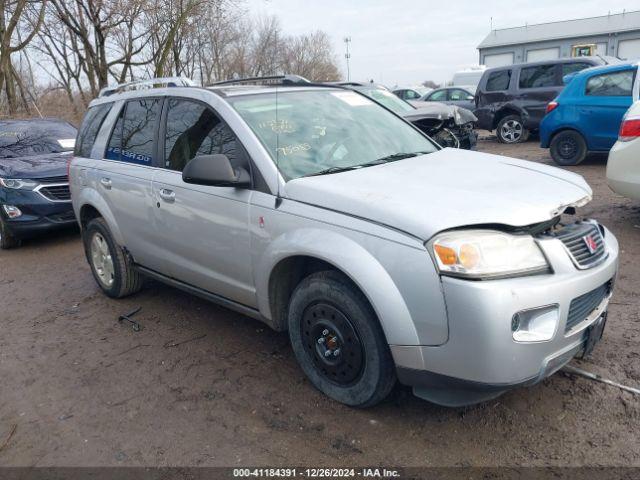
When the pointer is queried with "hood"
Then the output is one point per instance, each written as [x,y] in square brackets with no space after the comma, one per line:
[440,111]
[35,166]
[446,189]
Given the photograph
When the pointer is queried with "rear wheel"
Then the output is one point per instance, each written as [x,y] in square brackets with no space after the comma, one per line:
[7,240]
[112,270]
[510,129]
[338,340]
[568,148]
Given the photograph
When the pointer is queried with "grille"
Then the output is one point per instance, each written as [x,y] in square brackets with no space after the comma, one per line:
[56,193]
[60,179]
[583,305]
[575,238]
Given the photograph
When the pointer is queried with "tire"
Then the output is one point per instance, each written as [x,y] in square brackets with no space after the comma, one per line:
[120,279]
[327,306]
[7,240]
[568,148]
[510,129]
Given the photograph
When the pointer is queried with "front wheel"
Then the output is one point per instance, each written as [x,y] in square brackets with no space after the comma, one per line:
[338,340]
[568,148]
[510,129]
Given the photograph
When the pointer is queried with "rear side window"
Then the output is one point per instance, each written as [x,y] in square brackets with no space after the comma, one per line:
[132,139]
[615,84]
[89,129]
[498,81]
[538,77]
[194,129]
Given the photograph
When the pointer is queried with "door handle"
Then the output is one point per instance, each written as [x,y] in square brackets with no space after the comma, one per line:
[167,195]
[106,182]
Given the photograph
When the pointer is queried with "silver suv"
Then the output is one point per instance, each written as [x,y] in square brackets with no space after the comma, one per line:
[319,212]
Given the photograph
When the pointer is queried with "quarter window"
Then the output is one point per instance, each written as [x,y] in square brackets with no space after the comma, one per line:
[498,81]
[194,129]
[616,84]
[538,77]
[568,68]
[132,139]
[89,130]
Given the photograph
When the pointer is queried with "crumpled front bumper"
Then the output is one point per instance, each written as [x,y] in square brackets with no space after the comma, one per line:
[481,354]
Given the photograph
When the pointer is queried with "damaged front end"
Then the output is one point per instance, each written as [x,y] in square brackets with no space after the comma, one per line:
[449,125]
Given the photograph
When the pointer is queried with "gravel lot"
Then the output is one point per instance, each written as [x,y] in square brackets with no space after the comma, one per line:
[201,385]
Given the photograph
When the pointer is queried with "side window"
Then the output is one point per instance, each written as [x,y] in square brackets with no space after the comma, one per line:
[537,77]
[498,81]
[456,95]
[194,129]
[568,68]
[132,137]
[91,124]
[439,96]
[616,84]
[411,95]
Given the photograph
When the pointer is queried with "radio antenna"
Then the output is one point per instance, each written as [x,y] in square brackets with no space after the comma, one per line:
[277,130]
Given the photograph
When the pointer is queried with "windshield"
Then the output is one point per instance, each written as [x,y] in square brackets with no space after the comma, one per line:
[24,138]
[316,131]
[388,99]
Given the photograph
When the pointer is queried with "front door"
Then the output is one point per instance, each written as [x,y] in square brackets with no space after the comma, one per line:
[203,229]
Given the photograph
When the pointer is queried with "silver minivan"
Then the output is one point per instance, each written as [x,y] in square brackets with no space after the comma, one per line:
[319,212]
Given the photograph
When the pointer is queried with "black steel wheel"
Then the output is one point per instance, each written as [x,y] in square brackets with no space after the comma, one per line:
[338,340]
[568,148]
[331,341]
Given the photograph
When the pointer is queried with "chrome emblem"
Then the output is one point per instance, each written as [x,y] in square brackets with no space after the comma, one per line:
[590,243]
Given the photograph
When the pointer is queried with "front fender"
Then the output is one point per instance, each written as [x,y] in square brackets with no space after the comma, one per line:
[354,261]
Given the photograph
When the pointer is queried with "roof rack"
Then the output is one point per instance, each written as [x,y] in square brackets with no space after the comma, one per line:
[145,84]
[268,80]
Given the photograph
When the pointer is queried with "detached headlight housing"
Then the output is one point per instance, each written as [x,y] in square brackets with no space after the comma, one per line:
[486,254]
[17,184]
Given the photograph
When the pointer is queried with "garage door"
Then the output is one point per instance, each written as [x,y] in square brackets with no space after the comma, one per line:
[541,54]
[629,49]
[498,59]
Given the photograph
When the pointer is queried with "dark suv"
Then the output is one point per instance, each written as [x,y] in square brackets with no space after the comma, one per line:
[34,187]
[512,100]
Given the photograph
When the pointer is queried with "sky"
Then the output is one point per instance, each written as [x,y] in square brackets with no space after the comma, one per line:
[403,42]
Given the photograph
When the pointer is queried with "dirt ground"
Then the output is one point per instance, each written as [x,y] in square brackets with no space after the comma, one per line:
[201,385]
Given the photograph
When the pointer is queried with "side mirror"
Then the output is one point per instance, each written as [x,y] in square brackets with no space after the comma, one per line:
[215,170]
[470,97]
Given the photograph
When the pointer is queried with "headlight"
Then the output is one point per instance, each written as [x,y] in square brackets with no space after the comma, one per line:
[486,254]
[17,184]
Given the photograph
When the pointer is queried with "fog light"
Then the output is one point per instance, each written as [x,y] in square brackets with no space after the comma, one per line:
[536,324]
[11,211]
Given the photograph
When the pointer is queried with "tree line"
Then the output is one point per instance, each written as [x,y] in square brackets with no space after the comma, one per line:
[74,48]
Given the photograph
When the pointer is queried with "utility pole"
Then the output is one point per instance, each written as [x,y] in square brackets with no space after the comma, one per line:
[347,41]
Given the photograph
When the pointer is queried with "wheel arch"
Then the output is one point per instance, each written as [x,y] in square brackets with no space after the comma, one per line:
[92,205]
[295,255]
[507,110]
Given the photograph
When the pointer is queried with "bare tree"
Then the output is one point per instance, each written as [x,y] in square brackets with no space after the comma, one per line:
[312,57]
[16,16]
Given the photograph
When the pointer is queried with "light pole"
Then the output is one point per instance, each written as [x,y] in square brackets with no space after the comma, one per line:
[347,41]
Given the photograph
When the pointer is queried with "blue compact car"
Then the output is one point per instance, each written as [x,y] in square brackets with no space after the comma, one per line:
[34,187]
[587,114]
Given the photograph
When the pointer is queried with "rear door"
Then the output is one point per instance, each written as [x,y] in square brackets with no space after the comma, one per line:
[607,97]
[124,177]
[537,86]
[203,230]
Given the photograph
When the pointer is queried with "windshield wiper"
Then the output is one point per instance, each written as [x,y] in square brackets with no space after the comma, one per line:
[378,161]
